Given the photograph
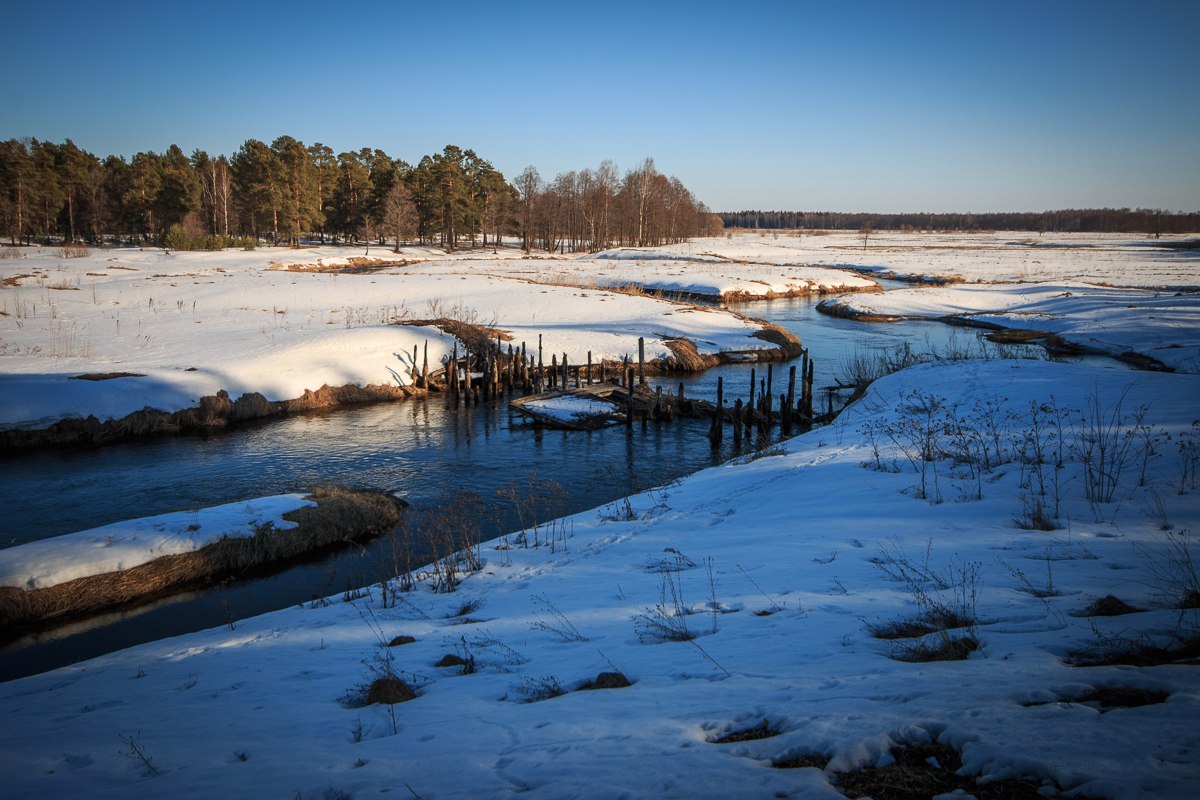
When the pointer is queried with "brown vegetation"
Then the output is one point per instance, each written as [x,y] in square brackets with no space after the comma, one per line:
[213,411]
[340,517]
[921,771]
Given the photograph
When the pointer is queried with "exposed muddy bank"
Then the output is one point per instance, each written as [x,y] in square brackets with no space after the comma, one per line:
[340,517]
[221,411]
[213,411]
[721,298]
[1053,343]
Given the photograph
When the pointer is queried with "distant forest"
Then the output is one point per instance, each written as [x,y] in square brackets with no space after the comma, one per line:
[1083,220]
[288,192]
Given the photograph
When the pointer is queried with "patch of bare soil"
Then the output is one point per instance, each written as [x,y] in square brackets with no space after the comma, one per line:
[1109,606]
[106,376]
[605,680]
[389,690]
[14,280]
[801,761]
[763,730]
[922,771]
[1138,653]
[1106,698]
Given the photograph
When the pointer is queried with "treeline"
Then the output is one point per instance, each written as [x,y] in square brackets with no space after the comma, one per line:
[287,192]
[1086,220]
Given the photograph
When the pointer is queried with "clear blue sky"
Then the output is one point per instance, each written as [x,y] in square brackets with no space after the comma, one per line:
[872,106]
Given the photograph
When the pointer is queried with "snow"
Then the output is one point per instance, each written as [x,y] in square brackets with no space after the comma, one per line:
[193,324]
[810,532]
[1114,321]
[1124,259]
[124,545]
[259,709]
[569,408]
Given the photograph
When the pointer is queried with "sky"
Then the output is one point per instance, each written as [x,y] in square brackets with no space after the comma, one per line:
[865,106]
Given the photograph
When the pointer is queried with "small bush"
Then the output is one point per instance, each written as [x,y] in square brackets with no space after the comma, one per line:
[74,250]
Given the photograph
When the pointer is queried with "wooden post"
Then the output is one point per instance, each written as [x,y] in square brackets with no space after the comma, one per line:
[768,396]
[810,389]
[803,380]
[589,373]
[737,423]
[642,361]
[789,408]
[717,431]
[629,390]
[553,370]
[750,402]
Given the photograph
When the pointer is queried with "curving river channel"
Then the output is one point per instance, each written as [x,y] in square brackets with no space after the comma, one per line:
[420,450]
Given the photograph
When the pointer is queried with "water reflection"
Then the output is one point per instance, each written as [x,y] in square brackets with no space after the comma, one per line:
[419,449]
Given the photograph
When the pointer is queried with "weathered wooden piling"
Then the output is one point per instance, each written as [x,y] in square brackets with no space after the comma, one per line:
[809,405]
[737,423]
[717,430]
[787,409]
[750,402]
[425,367]
[642,360]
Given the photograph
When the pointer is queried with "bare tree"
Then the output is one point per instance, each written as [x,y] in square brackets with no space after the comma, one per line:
[399,215]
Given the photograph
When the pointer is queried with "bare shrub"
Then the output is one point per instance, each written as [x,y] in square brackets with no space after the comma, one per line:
[137,752]
[918,433]
[666,621]
[74,250]
[533,690]
[539,505]
[944,628]
[1103,443]
[555,621]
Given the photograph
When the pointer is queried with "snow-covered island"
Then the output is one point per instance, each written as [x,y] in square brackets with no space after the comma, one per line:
[988,566]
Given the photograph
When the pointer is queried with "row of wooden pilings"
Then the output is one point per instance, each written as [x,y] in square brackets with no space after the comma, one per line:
[759,414]
[501,370]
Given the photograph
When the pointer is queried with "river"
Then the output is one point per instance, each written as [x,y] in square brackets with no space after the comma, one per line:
[419,449]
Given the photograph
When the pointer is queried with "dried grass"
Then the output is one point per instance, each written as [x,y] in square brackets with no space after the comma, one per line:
[921,771]
[340,517]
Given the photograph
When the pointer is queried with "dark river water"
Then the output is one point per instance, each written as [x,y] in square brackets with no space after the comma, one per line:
[420,450]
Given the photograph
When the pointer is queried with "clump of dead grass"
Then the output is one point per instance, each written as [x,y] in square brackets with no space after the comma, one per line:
[763,730]
[923,770]
[389,690]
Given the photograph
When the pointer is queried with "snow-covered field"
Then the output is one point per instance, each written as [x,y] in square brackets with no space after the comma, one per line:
[190,324]
[849,531]
[267,708]
[1161,325]
[1115,259]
